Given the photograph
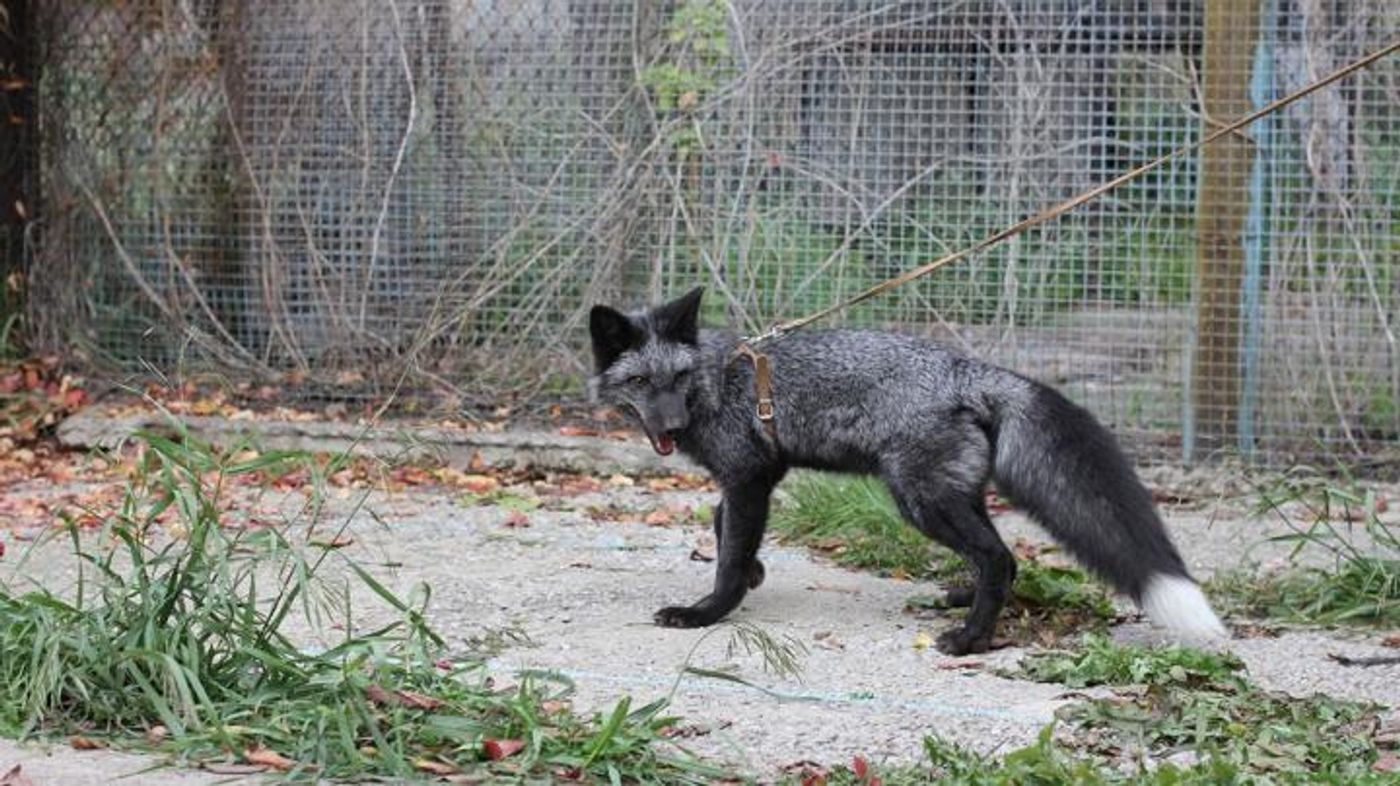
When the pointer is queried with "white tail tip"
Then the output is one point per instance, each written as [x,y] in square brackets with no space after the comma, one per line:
[1176,603]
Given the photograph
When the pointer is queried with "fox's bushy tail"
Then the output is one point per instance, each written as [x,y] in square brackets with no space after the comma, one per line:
[1066,470]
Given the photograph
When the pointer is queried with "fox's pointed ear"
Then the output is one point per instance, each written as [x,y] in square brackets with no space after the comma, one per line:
[679,320]
[613,333]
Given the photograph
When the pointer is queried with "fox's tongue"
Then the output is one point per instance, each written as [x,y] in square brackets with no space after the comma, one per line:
[663,443]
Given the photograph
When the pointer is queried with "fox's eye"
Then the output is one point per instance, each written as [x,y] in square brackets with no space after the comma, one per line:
[637,381]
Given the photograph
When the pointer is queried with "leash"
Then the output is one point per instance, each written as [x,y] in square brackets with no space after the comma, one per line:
[763,379]
[783,328]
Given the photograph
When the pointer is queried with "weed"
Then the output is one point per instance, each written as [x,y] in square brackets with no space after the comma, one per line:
[187,637]
[1048,762]
[1360,583]
[1101,662]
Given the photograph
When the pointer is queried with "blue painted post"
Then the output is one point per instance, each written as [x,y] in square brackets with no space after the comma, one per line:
[1261,86]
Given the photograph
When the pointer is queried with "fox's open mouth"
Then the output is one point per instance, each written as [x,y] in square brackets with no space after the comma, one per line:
[663,443]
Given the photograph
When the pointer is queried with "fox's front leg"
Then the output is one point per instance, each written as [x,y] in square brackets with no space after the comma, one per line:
[755,572]
[740,520]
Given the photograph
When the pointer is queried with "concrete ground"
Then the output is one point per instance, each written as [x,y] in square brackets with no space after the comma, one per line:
[581,574]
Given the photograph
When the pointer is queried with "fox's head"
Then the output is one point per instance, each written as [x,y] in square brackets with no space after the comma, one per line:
[648,365]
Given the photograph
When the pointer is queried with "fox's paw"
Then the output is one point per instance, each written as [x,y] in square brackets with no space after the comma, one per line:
[958,597]
[683,617]
[755,574]
[961,641]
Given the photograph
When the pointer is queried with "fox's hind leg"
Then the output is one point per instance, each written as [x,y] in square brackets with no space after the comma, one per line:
[755,572]
[942,497]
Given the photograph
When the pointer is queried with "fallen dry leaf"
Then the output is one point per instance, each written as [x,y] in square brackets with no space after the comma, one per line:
[14,777]
[434,767]
[337,542]
[517,520]
[268,758]
[1388,762]
[401,698]
[156,735]
[499,749]
[224,768]
[79,742]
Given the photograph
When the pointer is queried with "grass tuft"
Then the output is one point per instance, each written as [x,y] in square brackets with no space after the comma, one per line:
[855,520]
[177,644]
[1344,564]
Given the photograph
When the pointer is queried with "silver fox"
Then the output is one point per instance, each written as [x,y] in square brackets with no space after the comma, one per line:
[936,425]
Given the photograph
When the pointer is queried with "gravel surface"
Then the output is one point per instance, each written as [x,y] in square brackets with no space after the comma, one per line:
[583,587]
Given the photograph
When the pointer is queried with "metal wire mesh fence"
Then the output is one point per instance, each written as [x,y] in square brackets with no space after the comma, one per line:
[429,194]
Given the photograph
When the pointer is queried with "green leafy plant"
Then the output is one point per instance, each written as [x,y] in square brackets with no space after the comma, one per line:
[1101,662]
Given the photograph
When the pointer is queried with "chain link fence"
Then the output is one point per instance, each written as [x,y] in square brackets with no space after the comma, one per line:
[426,195]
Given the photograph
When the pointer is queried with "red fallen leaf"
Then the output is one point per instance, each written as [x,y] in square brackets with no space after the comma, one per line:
[477,464]
[412,476]
[2,548]
[499,749]
[11,383]
[401,698]
[517,520]
[1388,641]
[568,773]
[960,665]
[577,431]
[82,743]
[74,398]
[479,484]
[658,518]
[1389,762]
[268,758]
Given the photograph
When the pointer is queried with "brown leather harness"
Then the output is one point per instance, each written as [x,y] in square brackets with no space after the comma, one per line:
[763,385]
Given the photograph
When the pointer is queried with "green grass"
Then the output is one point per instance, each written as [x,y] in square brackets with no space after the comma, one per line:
[856,522]
[1354,576]
[1181,701]
[177,644]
